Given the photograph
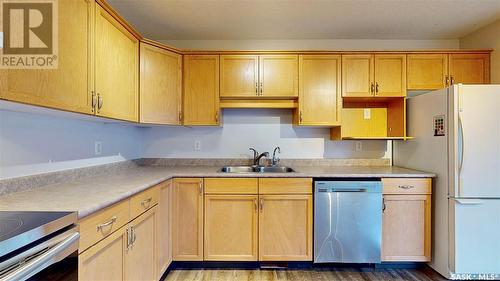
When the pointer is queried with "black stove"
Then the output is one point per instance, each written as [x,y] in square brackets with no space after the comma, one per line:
[32,241]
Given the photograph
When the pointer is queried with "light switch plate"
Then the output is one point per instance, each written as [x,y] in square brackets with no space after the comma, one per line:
[367,113]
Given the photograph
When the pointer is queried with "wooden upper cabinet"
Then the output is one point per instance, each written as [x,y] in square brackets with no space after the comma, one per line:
[469,68]
[320,99]
[201,90]
[390,75]
[427,71]
[231,223]
[239,76]
[160,86]
[140,257]
[105,260]
[357,75]
[116,68]
[187,219]
[67,87]
[285,228]
[278,76]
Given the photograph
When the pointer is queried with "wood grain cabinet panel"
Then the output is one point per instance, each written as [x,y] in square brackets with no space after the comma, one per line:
[164,227]
[320,99]
[69,86]
[160,86]
[406,228]
[278,76]
[231,223]
[427,71]
[105,260]
[116,68]
[201,90]
[390,75]
[357,75]
[187,220]
[140,256]
[469,68]
[285,228]
[239,76]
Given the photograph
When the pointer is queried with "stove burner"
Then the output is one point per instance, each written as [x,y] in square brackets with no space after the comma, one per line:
[9,225]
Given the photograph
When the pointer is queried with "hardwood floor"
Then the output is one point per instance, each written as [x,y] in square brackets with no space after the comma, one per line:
[315,274]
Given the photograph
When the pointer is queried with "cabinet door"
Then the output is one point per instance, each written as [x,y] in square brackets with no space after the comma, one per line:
[231,227]
[319,94]
[140,257]
[164,227]
[161,86]
[201,90]
[285,228]
[357,75]
[406,228]
[469,68]
[278,76]
[427,71]
[390,75]
[187,220]
[239,76]
[116,68]
[67,87]
[104,260]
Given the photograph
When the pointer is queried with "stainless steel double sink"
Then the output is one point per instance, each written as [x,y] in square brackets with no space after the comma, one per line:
[256,169]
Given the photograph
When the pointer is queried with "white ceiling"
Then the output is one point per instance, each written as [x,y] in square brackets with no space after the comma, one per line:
[307,19]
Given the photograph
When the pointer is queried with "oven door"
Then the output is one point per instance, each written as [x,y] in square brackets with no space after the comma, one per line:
[32,262]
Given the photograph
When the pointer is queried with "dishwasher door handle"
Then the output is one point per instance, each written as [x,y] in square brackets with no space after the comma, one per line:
[348,190]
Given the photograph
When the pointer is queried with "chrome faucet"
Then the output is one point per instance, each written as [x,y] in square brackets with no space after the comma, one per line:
[276,159]
[257,157]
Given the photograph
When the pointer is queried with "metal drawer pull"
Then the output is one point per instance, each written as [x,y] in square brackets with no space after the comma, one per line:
[146,203]
[406,186]
[108,223]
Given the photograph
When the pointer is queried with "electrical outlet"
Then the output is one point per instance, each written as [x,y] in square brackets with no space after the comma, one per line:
[359,146]
[98,147]
[367,113]
[197,145]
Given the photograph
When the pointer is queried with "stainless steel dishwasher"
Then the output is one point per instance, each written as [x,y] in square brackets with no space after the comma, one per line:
[347,221]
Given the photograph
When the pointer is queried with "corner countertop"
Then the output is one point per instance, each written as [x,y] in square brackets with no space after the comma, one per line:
[90,194]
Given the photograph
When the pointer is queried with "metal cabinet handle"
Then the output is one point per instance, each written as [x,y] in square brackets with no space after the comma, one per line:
[447,80]
[129,238]
[406,186]
[383,205]
[108,223]
[300,117]
[134,236]
[256,88]
[94,101]
[261,86]
[180,116]
[372,88]
[452,80]
[146,203]
[200,189]
[217,117]
[99,102]
[255,205]
[261,203]
[376,88]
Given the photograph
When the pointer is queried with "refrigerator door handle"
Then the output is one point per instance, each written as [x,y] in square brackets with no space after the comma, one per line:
[469,201]
[461,151]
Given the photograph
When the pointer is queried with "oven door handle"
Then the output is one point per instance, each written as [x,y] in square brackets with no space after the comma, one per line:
[51,256]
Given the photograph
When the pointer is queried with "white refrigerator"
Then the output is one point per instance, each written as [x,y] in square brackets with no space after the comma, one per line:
[456,134]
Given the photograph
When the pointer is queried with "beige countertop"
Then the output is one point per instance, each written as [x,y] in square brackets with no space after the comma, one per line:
[90,194]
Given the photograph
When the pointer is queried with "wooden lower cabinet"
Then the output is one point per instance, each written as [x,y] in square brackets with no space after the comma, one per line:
[285,228]
[164,227]
[406,220]
[105,260]
[140,256]
[231,223]
[187,219]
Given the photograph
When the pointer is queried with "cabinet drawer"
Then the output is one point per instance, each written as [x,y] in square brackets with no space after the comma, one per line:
[285,186]
[407,186]
[97,226]
[231,186]
[141,202]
